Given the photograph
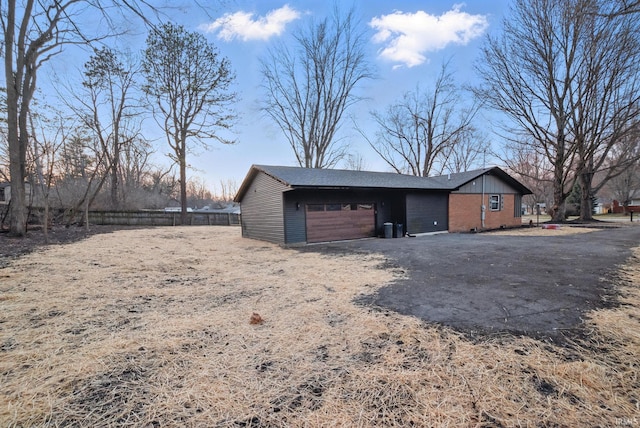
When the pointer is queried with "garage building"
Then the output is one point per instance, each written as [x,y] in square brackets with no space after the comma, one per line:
[291,205]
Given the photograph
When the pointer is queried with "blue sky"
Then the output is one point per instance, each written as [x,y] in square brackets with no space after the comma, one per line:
[408,42]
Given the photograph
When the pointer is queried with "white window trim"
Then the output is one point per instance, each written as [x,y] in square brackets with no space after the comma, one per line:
[498,203]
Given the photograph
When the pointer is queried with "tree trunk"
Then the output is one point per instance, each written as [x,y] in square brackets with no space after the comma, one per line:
[115,179]
[45,223]
[558,209]
[18,209]
[114,187]
[183,190]
[86,216]
[586,203]
[17,156]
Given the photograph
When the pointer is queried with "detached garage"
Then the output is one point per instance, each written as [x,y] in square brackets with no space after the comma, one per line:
[290,205]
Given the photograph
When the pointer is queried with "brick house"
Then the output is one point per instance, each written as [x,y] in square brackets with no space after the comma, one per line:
[634,206]
[291,205]
[502,201]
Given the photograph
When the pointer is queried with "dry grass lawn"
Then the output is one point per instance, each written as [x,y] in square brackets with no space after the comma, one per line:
[151,328]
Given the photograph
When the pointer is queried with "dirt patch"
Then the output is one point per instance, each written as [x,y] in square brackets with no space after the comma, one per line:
[153,327]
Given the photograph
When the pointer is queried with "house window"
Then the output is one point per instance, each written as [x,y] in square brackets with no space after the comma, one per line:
[494,202]
[315,207]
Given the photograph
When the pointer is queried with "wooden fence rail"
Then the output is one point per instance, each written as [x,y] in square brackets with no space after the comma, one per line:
[133,218]
[160,218]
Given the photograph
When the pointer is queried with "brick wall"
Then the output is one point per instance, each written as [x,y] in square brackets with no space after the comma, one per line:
[464,213]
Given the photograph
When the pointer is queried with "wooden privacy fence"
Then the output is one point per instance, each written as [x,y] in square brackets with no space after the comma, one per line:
[161,218]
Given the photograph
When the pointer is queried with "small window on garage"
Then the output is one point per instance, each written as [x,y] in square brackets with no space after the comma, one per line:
[334,207]
[315,207]
[347,207]
[365,206]
[494,202]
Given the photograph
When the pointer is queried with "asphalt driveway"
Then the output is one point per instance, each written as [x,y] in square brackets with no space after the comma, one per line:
[488,283]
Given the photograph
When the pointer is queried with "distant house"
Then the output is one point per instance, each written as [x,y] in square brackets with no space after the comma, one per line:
[5,192]
[230,208]
[634,205]
[290,205]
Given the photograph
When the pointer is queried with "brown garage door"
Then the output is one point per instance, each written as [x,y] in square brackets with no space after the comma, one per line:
[336,222]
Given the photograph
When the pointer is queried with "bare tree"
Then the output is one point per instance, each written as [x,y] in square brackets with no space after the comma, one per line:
[566,75]
[467,152]
[162,185]
[605,97]
[33,32]
[533,170]
[85,171]
[355,162]
[188,83]
[228,190]
[418,135]
[307,91]
[135,171]
[108,108]
[528,73]
[198,192]
[48,137]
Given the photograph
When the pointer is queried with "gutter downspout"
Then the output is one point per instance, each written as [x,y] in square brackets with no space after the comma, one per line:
[483,207]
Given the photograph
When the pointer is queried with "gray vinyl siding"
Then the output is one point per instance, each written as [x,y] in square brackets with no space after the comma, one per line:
[427,212]
[262,210]
[517,206]
[492,185]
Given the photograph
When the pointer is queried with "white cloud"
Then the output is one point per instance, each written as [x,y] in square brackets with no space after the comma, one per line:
[407,37]
[242,24]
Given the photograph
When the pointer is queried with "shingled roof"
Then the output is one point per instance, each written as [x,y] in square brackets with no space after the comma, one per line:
[296,178]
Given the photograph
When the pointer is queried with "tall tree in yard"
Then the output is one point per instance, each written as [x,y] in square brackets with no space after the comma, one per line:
[188,83]
[527,74]
[605,99]
[108,108]
[34,31]
[307,91]
[565,73]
